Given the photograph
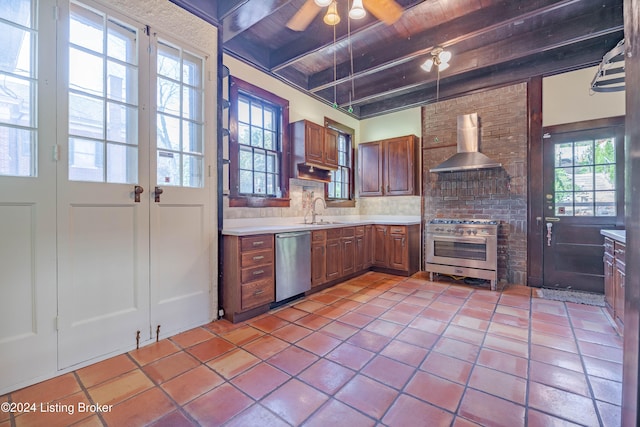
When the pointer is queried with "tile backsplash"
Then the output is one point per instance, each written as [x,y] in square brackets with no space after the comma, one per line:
[299,189]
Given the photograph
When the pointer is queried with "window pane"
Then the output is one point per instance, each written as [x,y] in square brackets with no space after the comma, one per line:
[85,72]
[564,204]
[86,116]
[269,140]
[17,11]
[122,83]
[122,164]
[86,160]
[271,163]
[192,137]
[246,159]
[192,70]
[168,168]
[606,203]
[256,137]
[192,170]
[583,179]
[16,103]
[271,184]
[583,153]
[17,151]
[192,104]
[564,179]
[606,177]
[120,42]
[259,183]
[168,132]
[243,134]
[243,110]
[605,151]
[168,96]
[246,182]
[168,62]
[259,162]
[564,155]
[584,203]
[269,118]
[15,56]
[256,115]
[86,29]
[122,123]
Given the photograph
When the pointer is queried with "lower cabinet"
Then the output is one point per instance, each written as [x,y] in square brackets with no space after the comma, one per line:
[397,248]
[248,286]
[614,279]
[318,258]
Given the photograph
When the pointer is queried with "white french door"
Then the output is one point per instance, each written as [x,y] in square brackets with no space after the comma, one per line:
[133,206]
[27,196]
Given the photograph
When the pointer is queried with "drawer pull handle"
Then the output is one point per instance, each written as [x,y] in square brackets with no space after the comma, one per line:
[258,243]
[258,292]
[256,258]
[258,272]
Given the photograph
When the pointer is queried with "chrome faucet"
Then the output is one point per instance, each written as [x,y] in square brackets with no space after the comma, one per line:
[314,214]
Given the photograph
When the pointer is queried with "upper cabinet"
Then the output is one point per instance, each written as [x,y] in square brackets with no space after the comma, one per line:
[314,152]
[389,167]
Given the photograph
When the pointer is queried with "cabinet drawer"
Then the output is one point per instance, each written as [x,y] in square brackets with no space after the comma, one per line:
[256,273]
[253,258]
[334,233]
[348,232]
[257,293]
[608,246]
[619,250]
[319,236]
[252,243]
[397,229]
[359,230]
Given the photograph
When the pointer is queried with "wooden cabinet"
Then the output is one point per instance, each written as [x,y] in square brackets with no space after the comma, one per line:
[397,248]
[248,285]
[334,249]
[314,150]
[348,252]
[389,167]
[614,279]
[318,258]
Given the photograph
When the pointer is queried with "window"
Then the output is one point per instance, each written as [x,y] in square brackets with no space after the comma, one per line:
[259,173]
[585,177]
[179,117]
[339,192]
[103,98]
[18,88]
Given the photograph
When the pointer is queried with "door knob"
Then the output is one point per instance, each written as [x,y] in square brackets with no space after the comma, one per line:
[158,191]
[137,191]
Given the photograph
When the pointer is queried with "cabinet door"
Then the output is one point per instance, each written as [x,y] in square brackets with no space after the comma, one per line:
[380,245]
[619,292]
[361,256]
[314,143]
[399,166]
[348,255]
[609,285]
[318,264]
[398,254]
[368,246]
[333,254]
[330,148]
[370,169]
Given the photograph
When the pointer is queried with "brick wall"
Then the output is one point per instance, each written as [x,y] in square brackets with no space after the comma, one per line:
[499,194]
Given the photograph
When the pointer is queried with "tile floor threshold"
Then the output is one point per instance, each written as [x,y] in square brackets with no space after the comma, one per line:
[376,350]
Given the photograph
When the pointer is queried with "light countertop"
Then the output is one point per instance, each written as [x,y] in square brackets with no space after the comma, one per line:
[619,235]
[249,226]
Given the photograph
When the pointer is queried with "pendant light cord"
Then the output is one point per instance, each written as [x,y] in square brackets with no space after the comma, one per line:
[353,90]
[335,71]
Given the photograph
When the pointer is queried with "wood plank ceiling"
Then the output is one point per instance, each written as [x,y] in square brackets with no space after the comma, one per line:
[493,42]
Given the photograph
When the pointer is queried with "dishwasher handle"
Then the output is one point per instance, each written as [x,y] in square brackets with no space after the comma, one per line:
[290,235]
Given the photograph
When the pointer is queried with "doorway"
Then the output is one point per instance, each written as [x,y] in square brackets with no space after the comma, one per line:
[583,192]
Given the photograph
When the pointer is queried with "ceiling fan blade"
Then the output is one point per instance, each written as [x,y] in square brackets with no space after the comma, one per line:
[388,11]
[303,17]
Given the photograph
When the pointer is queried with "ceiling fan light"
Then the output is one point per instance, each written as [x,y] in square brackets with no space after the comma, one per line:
[443,66]
[322,3]
[357,10]
[332,17]
[428,64]
[445,56]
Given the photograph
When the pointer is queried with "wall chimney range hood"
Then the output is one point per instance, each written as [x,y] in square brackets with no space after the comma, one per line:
[468,157]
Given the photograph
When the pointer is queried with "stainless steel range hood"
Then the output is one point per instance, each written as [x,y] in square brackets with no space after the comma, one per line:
[468,157]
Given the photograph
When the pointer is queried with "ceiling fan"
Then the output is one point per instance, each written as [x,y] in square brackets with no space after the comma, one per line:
[387,11]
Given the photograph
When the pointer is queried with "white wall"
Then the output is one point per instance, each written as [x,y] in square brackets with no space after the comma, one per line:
[568,98]
[405,122]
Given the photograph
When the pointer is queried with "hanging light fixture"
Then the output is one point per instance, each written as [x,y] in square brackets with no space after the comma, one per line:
[357,10]
[332,17]
[322,3]
[439,57]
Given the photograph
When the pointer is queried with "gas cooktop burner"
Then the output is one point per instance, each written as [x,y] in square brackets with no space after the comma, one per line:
[463,221]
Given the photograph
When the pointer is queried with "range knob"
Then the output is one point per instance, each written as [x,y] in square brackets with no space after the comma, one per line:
[475,232]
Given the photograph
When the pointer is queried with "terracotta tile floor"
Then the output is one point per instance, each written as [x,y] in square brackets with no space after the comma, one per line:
[375,350]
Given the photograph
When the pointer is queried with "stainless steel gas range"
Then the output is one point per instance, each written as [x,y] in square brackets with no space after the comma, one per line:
[463,248]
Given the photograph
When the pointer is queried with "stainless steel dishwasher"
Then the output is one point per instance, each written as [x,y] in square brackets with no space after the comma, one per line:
[293,264]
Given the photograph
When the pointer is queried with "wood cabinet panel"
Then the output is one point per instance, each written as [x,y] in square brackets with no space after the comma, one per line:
[314,151]
[253,258]
[256,293]
[348,249]
[398,254]
[619,281]
[318,258]
[389,167]
[333,253]
[380,245]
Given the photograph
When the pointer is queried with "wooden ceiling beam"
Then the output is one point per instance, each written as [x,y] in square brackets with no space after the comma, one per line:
[246,15]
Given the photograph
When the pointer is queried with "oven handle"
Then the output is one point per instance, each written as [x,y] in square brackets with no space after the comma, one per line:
[459,239]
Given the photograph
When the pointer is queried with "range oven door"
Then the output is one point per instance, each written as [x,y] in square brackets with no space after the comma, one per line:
[472,252]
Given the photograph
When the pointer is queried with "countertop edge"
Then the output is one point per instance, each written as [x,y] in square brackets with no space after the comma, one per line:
[280,228]
[618,235]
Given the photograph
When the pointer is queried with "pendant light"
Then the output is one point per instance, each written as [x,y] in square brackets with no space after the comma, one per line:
[439,57]
[322,3]
[332,17]
[357,10]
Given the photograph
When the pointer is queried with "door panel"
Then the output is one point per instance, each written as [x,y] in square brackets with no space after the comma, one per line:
[27,197]
[583,193]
